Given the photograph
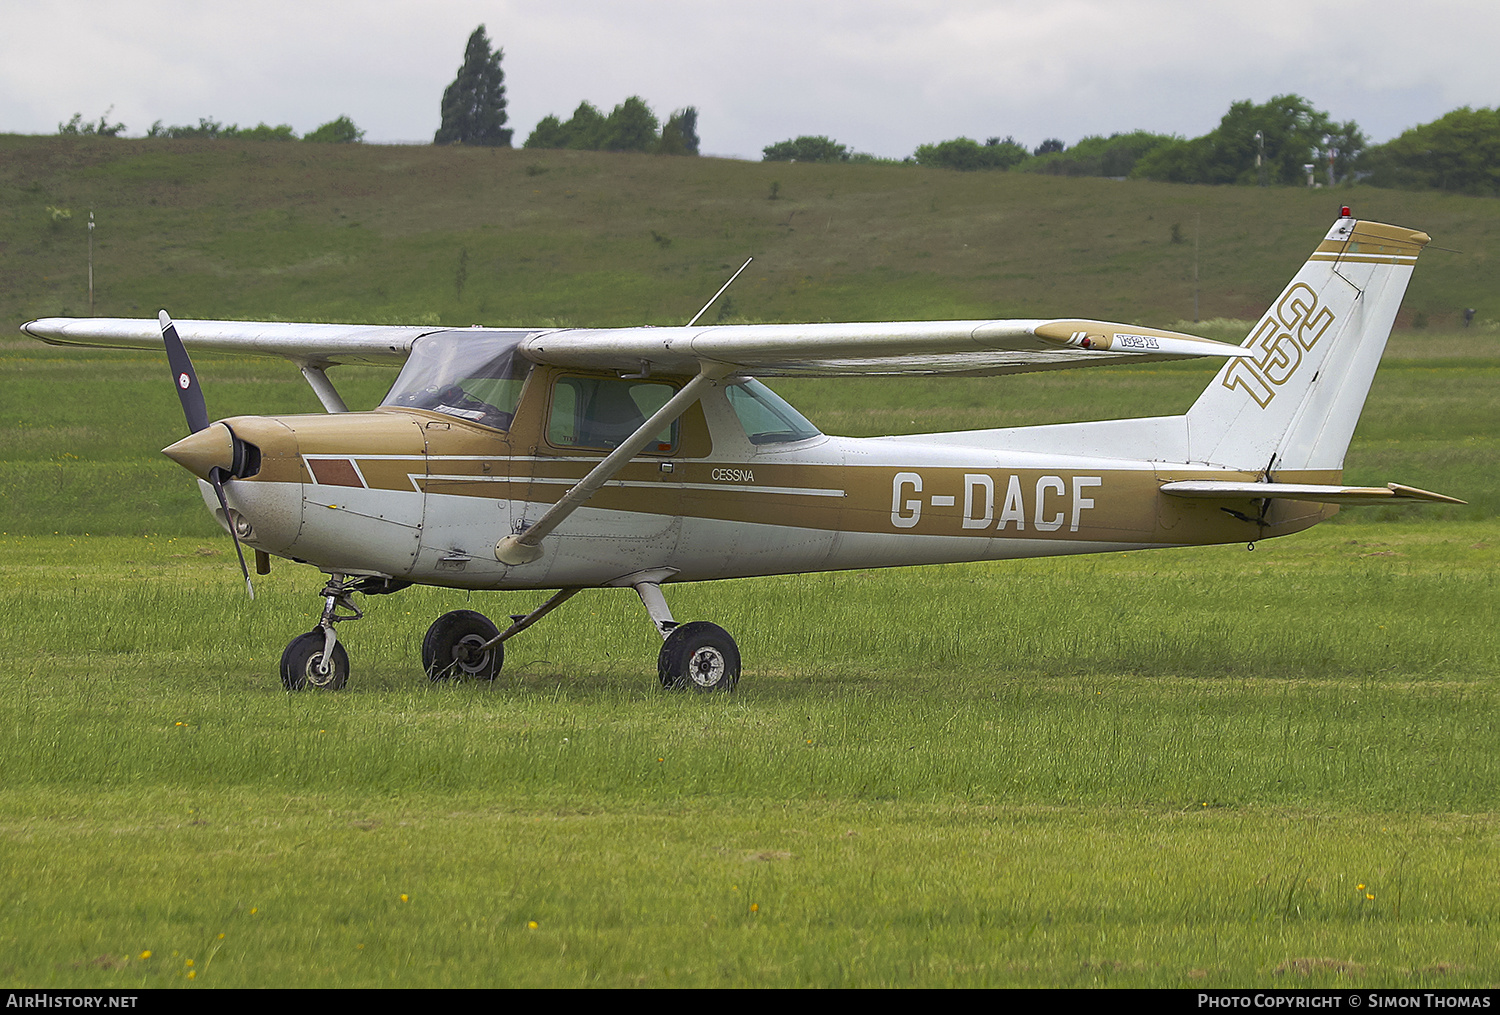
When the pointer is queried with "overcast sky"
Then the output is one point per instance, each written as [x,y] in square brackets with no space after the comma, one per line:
[881,76]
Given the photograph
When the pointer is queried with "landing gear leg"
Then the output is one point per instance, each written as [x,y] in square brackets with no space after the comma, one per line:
[696,656]
[316,659]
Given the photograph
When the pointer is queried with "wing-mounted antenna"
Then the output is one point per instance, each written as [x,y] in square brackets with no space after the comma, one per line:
[726,285]
[646,364]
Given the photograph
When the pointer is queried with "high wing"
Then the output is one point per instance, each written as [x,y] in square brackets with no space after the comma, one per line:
[769,350]
[317,345]
[896,347]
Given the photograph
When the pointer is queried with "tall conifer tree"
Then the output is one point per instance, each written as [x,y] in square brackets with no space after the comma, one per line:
[474,104]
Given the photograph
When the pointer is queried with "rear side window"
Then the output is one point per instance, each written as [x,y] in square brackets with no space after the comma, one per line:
[600,413]
[765,416]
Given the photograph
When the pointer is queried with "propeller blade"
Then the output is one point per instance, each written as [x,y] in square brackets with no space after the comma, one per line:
[188,392]
[196,411]
[215,476]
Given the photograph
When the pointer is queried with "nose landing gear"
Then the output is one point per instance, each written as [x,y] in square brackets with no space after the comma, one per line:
[316,659]
[307,663]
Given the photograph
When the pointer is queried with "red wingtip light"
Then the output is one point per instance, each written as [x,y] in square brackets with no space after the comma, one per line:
[1344,212]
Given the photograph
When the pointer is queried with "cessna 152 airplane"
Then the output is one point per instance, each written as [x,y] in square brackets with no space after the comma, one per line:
[517,458]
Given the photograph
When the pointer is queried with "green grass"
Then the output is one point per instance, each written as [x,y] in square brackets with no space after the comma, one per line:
[1000,774]
[764,894]
[1334,620]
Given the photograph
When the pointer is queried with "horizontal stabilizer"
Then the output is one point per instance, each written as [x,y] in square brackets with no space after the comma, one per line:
[1320,494]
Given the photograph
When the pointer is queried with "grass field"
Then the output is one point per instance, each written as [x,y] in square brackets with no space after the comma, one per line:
[1177,768]
[953,775]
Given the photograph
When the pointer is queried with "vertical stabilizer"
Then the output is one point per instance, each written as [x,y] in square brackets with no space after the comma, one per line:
[1294,404]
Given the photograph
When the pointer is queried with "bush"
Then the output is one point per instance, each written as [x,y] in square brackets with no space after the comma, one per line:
[1114,156]
[807,148]
[264,132]
[101,129]
[1281,134]
[207,127]
[964,153]
[339,131]
[679,135]
[630,127]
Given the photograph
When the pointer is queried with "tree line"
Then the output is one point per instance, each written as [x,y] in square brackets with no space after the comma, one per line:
[1283,142]
[630,127]
[337,131]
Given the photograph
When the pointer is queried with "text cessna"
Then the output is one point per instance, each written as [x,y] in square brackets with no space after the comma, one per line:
[997,501]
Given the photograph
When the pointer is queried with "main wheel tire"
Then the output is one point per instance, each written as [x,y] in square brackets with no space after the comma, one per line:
[450,651]
[301,664]
[699,657]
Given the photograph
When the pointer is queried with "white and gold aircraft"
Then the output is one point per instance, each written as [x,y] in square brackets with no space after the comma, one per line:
[516,458]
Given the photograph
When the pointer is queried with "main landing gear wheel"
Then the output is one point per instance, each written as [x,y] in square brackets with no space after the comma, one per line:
[302,664]
[700,657]
[451,650]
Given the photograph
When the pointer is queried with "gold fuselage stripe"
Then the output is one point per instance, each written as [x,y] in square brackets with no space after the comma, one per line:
[1068,500]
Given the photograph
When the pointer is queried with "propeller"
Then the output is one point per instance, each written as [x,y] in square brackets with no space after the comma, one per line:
[196,411]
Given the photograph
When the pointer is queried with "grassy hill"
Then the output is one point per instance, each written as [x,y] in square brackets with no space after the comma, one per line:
[243,229]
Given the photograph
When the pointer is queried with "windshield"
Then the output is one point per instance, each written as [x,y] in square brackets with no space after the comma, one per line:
[765,416]
[473,376]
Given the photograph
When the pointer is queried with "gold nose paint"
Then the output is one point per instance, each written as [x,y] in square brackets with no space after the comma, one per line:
[198,453]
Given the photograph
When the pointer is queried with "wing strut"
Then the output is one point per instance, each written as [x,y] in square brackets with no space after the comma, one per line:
[525,547]
[317,379]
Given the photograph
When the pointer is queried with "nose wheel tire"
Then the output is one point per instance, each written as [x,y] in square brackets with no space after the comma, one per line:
[302,664]
[451,650]
[699,657]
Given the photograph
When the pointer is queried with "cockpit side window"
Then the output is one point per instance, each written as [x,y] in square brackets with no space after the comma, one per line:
[765,416]
[600,413]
